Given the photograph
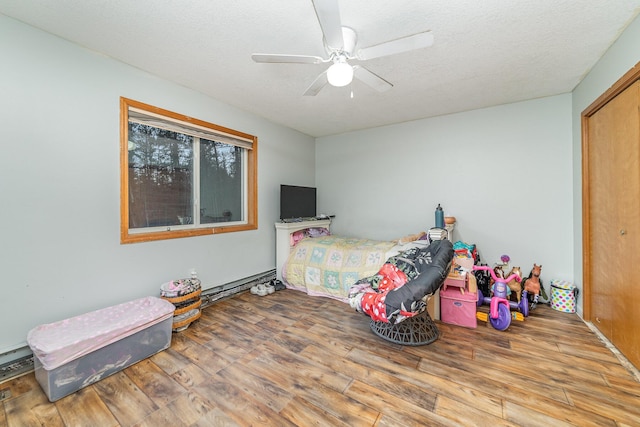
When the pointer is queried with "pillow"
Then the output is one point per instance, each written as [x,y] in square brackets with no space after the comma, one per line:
[410,238]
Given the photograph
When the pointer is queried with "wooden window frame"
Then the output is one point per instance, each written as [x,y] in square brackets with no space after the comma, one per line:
[251,187]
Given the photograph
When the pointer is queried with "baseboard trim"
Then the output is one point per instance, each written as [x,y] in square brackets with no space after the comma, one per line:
[211,295]
[623,360]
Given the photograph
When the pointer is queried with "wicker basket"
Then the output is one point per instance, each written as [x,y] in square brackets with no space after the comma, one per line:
[183,324]
[182,298]
[196,304]
[185,304]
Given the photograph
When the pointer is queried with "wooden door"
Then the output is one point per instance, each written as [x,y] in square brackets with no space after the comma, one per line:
[613,254]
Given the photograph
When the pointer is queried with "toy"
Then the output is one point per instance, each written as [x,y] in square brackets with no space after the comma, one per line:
[533,285]
[514,284]
[483,280]
[497,272]
[499,279]
[515,315]
[500,313]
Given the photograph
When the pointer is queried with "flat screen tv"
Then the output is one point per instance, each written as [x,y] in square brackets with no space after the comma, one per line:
[297,202]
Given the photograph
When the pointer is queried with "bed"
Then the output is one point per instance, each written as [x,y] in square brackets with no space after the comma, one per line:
[389,281]
[330,265]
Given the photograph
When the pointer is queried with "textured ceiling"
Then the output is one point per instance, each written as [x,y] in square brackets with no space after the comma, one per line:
[485,53]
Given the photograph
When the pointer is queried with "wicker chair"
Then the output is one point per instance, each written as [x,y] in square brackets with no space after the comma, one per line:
[417,330]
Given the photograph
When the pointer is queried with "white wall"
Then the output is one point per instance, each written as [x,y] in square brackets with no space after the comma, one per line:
[60,175]
[503,172]
[623,55]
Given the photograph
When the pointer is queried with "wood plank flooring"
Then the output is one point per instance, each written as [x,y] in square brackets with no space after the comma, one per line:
[290,359]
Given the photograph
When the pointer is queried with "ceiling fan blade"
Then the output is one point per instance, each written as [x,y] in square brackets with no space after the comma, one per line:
[317,85]
[328,13]
[404,44]
[371,79]
[295,59]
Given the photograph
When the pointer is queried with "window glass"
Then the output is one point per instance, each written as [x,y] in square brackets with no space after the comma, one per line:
[221,182]
[160,177]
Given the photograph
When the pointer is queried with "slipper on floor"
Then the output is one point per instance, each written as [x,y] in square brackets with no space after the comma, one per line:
[278,285]
[261,290]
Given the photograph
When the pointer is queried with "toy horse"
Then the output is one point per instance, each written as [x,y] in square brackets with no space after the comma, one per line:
[514,284]
[533,285]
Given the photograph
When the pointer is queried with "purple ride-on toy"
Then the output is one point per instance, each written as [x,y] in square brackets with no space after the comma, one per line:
[500,306]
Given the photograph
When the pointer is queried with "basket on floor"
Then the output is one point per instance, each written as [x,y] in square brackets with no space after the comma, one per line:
[563,296]
[187,301]
[182,321]
[417,330]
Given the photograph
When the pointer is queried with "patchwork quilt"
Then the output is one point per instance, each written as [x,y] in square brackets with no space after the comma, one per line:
[330,265]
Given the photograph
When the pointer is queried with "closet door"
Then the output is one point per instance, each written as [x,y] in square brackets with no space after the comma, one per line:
[614,225]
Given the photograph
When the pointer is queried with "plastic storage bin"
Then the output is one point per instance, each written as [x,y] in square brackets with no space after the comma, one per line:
[458,308]
[76,352]
[563,296]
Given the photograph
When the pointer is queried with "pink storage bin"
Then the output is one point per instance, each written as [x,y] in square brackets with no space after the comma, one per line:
[458,308]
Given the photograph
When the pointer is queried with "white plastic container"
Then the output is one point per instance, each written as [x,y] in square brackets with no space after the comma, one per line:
[76,352]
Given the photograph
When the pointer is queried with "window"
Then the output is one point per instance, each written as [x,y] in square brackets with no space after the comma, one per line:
[183,177]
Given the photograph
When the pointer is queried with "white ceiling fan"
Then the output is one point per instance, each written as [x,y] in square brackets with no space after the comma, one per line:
[340,44]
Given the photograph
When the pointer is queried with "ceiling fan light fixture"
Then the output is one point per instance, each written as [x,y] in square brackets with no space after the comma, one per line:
[341,46]
[340,73]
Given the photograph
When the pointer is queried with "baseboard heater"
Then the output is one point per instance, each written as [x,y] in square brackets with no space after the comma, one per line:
[18,363]
[211,295]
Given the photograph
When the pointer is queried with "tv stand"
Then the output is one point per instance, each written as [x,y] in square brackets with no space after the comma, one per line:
[283,238]
[290,220]
[311,218]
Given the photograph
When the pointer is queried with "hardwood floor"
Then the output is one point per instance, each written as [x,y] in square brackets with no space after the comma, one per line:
[290,359]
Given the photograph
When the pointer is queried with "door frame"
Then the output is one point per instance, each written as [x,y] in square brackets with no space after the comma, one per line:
[618,87]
